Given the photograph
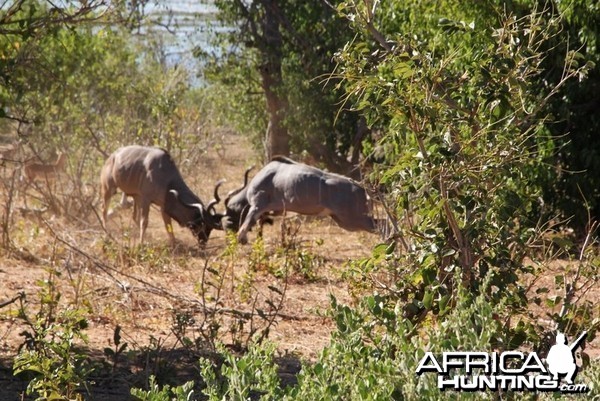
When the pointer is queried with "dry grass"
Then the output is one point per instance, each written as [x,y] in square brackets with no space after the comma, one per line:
[142,289]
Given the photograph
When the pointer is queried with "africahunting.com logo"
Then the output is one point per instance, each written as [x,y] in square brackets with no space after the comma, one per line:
[509,370]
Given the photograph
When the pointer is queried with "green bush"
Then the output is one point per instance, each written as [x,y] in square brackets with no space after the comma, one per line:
[51,355]
[252,375]
[367,362]
[364,361]
[185,392]
[465,146]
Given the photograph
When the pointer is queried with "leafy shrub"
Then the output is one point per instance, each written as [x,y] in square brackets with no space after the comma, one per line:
[50,354]
[240,378]
[373,355]
[185,392]
[464,145]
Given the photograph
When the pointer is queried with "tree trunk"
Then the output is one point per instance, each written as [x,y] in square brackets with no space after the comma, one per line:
[277,137]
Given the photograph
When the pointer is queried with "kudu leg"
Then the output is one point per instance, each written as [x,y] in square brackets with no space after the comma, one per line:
[144,210]
[125,204]
[253,215]
[135,213]
[107,193]
[169,228]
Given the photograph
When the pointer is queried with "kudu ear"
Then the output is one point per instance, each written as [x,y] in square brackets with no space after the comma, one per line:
[226,222]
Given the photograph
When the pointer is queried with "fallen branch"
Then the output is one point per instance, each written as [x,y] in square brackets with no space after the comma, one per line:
[18,297]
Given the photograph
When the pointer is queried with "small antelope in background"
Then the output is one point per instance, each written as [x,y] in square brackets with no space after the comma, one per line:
[33,171]
[8,152]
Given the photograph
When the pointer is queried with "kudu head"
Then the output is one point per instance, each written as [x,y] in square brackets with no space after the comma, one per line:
[204,219]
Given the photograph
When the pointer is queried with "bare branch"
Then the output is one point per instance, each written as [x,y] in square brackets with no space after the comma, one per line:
[19,296]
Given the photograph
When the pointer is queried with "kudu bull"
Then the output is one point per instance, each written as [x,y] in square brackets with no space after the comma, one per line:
[285,185]
[149,175]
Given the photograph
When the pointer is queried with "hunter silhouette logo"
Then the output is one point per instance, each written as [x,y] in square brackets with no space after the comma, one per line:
[561,357]
[507,370]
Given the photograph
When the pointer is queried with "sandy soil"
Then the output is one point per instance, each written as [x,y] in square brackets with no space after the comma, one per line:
[143,290]
[164,300]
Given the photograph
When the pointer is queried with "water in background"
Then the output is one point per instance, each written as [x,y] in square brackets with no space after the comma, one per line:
[179,26]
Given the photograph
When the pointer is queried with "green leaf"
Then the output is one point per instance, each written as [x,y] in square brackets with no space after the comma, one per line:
[428,299]
[444,304]
[559,280]
[429,275]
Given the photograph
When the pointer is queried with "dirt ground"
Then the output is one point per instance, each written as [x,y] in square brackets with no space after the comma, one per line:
[146,290]
[166,301]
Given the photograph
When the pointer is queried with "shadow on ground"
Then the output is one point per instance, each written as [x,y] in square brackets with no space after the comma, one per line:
[112,381]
